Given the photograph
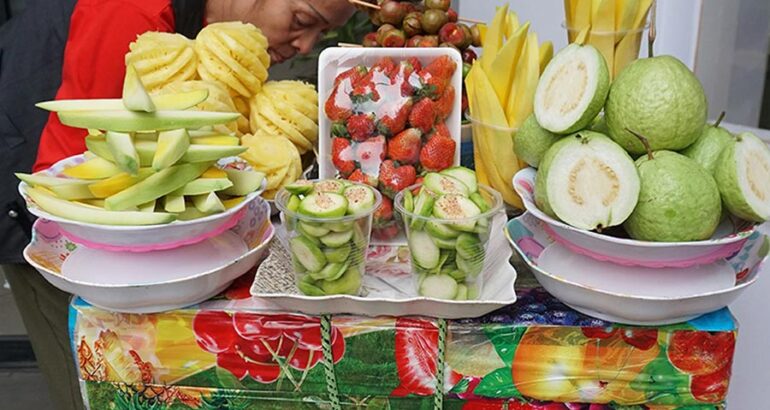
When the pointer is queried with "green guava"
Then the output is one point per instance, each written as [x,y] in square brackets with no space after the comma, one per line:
[532,141]
[743,177]
[657,97]
[679,200]
[706,149]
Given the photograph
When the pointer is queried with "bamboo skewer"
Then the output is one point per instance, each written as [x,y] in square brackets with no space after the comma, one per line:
[349,45]
[376,7]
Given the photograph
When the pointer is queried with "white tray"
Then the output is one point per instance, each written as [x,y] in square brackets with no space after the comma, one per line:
[632,300]
[388,286]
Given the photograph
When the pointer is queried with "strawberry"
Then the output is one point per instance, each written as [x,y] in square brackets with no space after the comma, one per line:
[423,115]
[353,74]
[436,76]
[360,127]
[392,120]
[342,156]
[438,153]
[363,93]
[445,103]
[408,79]
[419,180]
[338,106]
[415,63]
[442,130]
[384,214]
[359,176]
[386,231]
[393,179]
[405,146]
[370,154]
[385,65]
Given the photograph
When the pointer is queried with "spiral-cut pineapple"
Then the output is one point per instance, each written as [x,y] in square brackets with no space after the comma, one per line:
[234,54]
[218,100]
[162,58]
[242,106]
[289,108]
[274,155]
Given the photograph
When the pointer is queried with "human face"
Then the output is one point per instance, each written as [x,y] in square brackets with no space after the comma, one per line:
[291,26]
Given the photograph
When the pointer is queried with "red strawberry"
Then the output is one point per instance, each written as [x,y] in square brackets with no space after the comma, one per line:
[423,115]
[408,79]
[370,154]
[445,103]
[436,75]
[364,92]
[438,153]
[353,74]
[385,65]
[419,180]
[360,126]
[442,130]
[415,63]
[393,179]
[405,147]
[338,106]
[359,176]
[393,118]
[342,156]
[384,213]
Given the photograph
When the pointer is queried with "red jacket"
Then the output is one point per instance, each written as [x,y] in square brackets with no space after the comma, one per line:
[99,35]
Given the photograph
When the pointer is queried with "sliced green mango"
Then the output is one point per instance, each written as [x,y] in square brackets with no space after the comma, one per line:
[94,168]
[148,207]
[216,140]
[129,121]
[202,186]
[195,153]
[155,186]
[146,136]
[117,183]
[208,203]
[70,192]
[176,101]
[135,96]
[83,213]
[174,203]
[98,145]
[172,145]
[244,182]
[45,180]
[121,147]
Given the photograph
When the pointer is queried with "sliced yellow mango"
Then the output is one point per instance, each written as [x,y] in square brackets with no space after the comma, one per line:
[602,30]
[494,39]
[502,72]
[522,93]
[216,140]
[117,183]
[94,168]
[232,202]
[511,24]
[214,172]
[546,54]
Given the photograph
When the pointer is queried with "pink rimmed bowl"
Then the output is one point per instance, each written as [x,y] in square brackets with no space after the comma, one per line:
[726,241]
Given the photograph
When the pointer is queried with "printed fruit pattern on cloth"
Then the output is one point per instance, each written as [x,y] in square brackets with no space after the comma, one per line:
[389,126]
[536,354]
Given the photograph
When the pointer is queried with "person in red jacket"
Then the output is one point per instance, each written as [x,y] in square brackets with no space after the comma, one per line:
[92,66]
[101,30]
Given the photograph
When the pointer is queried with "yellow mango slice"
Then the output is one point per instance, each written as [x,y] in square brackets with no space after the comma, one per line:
[511,24]
[216,140]
[214,172]
[94,168]
[117,183]
[494,39]
[602,30]
[519,106]
[546,54]
[501,73]
[627,49]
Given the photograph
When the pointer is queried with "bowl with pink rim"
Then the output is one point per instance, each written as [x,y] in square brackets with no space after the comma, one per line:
[728,239]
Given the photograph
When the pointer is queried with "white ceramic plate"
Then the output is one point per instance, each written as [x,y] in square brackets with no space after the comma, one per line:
[389,289]
[140,238]
[727,240]
[637,302]
[49,252]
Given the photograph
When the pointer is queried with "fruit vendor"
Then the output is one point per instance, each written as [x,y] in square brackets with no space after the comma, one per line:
[78,48]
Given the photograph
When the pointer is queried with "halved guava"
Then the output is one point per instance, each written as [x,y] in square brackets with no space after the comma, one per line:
[588,181]
[743,178]
[572,89]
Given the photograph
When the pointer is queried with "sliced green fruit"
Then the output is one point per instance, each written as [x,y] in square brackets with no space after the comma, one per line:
[332,271]
[360,198]
[82,213]
[330,185]
[532,141]
[349,283]
[335,239]
[216,140]
[339,254]
[449,244]
[73,191]
[339,226]
[457,207]
[148,207]
[572,89]
[293,203]
[146,136]
[172,145]
[117,183]
[312,230]
[214,172]
[208,203]
[202,186]
[177,101]
[45,180]
[462,292]
[455,273]
[587,181]
[424,252]
[464,175]
[444,184]
[155,186]
[129,121]
[190,213]
[135,96]
[308,287]
[480,202]
[439,287]
[174,203]
[408,201]
[743,177]
[94,168]
[469,247]
[194,153]
[98,145]
[244,181]
[121,147]
[300,187]
[324,205]
[471,267]
[307,253]
[423,206]
[440,230]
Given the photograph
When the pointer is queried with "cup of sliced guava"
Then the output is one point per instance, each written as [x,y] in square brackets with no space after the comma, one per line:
[328,223]
[447,220]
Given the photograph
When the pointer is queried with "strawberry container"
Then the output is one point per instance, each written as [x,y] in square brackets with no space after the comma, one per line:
[387,116]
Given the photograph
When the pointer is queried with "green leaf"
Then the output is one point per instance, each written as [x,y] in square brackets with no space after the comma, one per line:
[461,387]
[227,380]
[505,338]
[498,384]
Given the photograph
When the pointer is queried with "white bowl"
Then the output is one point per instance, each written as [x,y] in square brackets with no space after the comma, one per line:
[638,296]
[152,290]
[629,252]
[140,238]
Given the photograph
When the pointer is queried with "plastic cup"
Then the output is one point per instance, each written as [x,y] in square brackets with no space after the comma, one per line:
[328,254]
[619,48]
[448,255]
